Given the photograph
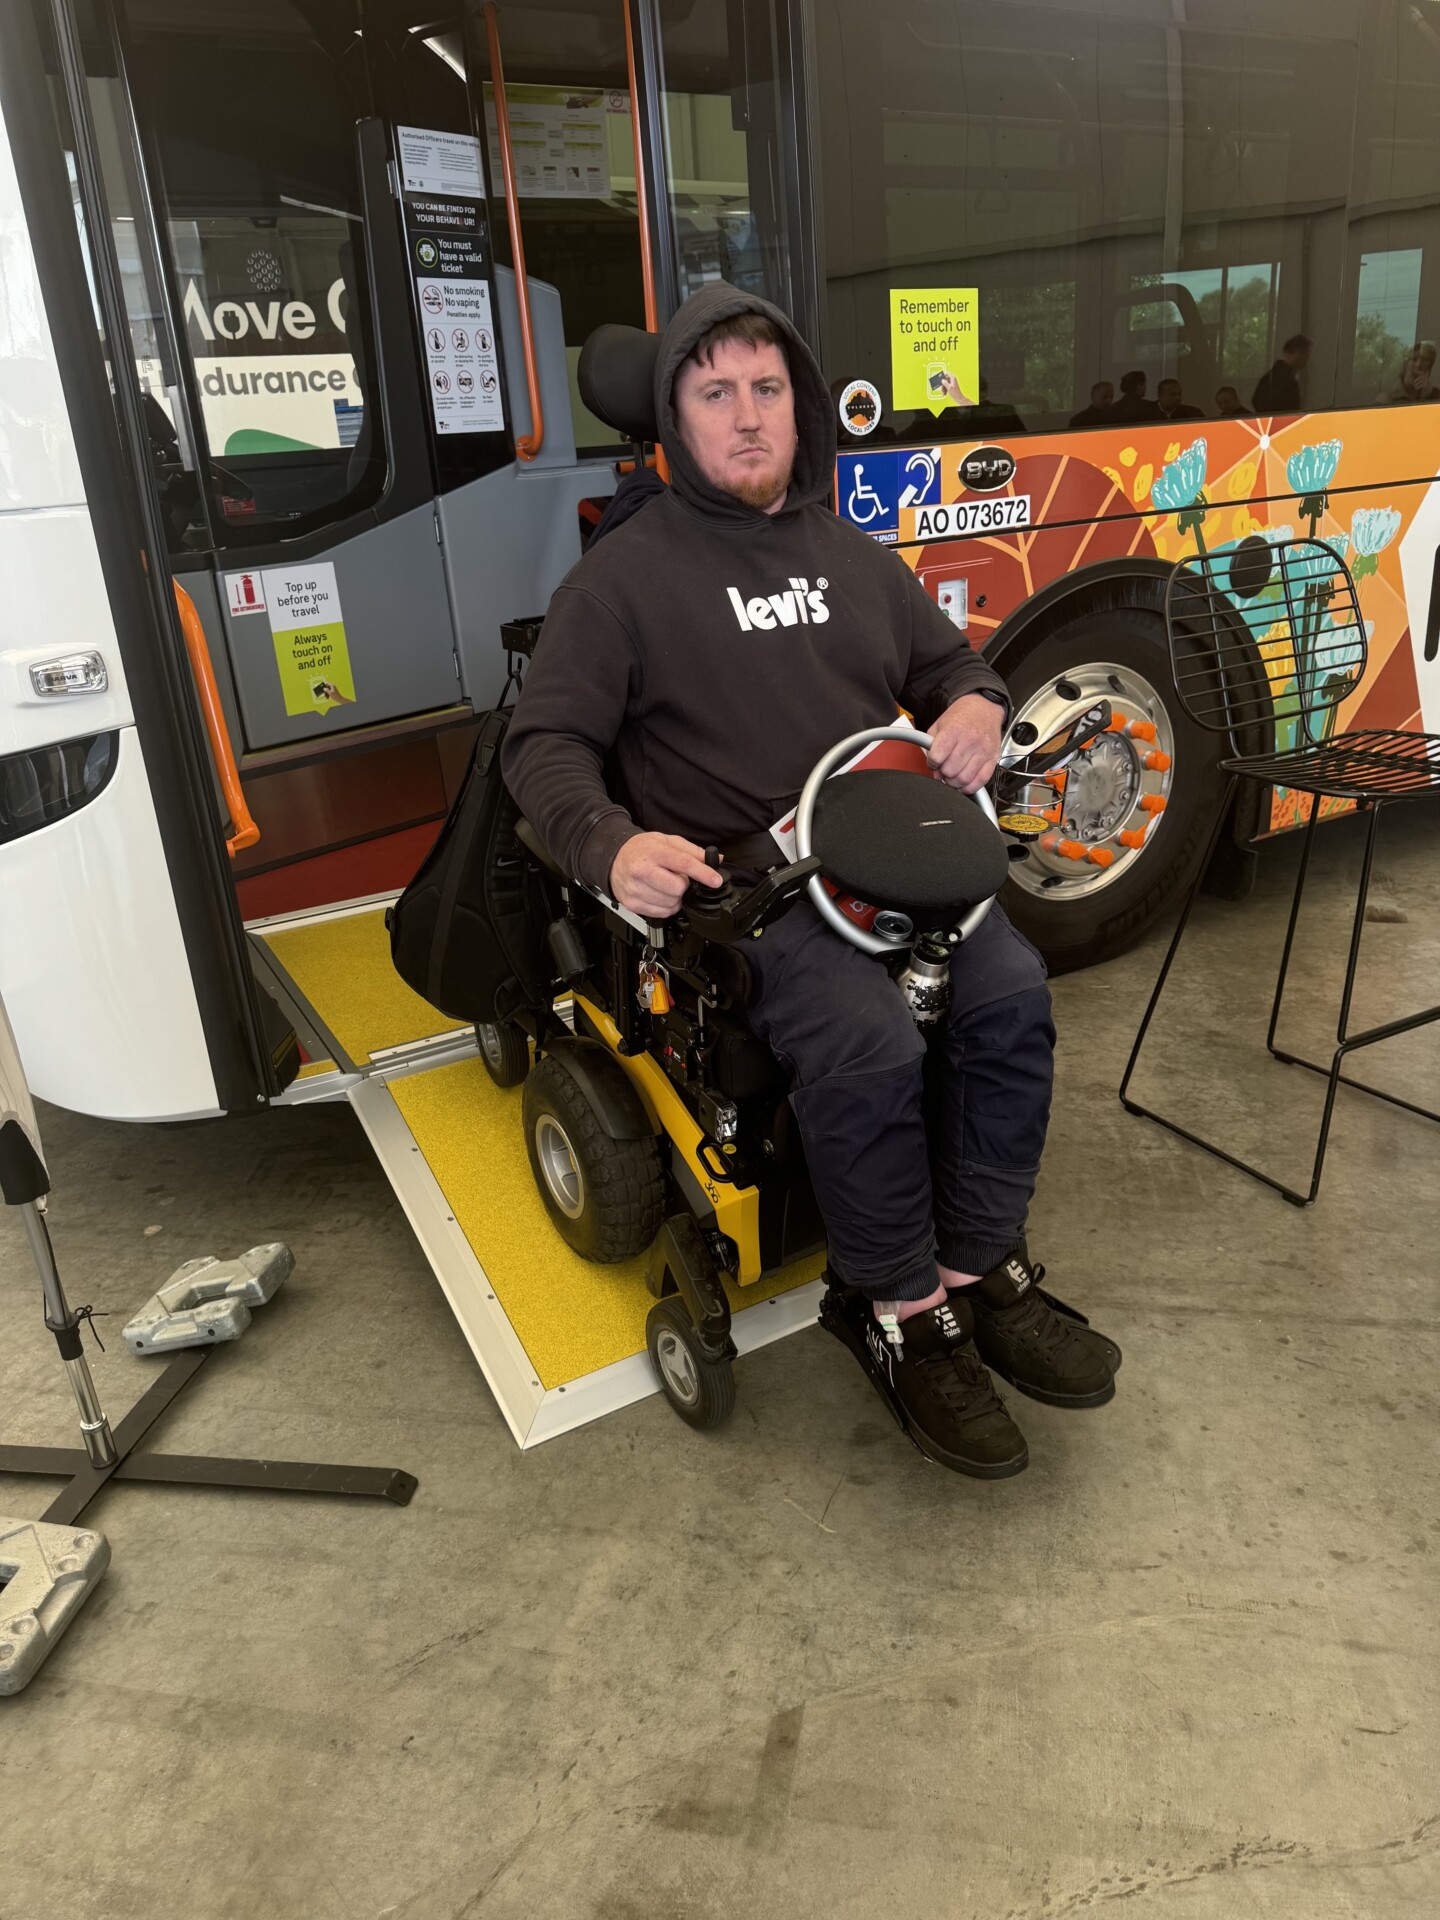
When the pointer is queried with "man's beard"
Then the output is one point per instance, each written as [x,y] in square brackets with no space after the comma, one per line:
[763,491]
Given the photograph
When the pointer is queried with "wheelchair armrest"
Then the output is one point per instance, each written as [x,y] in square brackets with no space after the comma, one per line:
[727,915]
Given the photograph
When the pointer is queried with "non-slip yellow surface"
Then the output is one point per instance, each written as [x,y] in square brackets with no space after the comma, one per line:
[571,1316]
[343,969]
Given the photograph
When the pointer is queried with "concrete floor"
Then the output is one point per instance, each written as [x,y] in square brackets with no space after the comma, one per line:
[1187,1662]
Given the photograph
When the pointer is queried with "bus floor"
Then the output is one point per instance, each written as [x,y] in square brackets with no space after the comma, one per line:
[560,1340]
[1184,1668]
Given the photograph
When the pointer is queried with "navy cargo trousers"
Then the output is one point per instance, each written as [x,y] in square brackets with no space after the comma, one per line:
[910,1158]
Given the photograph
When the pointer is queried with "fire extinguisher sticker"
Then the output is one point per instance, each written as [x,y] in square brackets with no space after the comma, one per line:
[247,593]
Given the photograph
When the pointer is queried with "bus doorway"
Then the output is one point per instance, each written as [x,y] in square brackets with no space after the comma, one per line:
[278,205]
[365,451]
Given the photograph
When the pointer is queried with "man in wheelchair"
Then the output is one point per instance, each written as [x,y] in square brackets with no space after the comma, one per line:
[708,652]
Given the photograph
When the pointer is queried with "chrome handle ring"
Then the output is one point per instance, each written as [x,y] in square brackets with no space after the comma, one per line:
[872,943]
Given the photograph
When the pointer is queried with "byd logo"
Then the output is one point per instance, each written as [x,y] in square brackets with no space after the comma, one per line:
[987,469]
[803,605]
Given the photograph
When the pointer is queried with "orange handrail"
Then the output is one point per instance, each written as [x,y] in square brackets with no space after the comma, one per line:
[642,209]
[642,205]
[527,445]
[246,832]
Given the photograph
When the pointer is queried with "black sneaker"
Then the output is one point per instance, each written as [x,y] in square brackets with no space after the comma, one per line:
[933,1383]
[1035,1341]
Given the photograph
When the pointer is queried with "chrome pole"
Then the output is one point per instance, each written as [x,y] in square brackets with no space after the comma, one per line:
[99,1441]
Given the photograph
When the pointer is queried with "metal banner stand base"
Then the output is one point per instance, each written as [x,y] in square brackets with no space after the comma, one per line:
[110,1456]
[188,1469]
[46,1573]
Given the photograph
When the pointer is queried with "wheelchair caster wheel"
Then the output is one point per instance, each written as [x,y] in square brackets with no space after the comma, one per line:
[699,1387]
[504,1050]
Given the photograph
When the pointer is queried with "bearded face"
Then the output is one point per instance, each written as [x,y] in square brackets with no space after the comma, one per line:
[736,413]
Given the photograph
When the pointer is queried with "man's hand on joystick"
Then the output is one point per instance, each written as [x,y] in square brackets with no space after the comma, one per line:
[652,871]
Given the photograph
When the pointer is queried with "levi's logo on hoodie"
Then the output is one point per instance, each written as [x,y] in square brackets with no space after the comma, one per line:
[802,605]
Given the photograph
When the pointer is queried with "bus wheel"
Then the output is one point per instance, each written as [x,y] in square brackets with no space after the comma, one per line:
[1135,808]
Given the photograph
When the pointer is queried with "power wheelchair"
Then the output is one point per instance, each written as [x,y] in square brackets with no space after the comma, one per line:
[655,1119]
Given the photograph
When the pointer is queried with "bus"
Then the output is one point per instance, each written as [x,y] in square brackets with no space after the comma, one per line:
[294,295]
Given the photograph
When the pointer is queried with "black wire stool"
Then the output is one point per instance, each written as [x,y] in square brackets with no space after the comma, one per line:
[1266,645]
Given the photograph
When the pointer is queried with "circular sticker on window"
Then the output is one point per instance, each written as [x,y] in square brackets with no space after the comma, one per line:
[860,408]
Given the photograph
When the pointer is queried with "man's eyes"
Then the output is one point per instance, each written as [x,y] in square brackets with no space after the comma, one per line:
[768,390]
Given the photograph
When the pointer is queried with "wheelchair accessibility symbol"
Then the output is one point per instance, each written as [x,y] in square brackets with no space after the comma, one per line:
[864,504]
[876,487]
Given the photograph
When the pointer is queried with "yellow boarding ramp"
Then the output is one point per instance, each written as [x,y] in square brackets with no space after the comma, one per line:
[560,1340]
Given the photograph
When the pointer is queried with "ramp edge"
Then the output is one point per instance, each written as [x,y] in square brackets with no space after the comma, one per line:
[533,1413]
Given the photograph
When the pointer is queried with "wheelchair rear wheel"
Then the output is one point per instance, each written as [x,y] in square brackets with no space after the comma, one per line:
[606,1197]
[504,1051]
[699,1387]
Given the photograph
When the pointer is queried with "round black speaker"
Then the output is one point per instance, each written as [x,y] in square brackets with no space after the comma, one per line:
[898,839]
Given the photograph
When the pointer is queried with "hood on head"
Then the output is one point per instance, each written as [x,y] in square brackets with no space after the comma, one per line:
[814,476]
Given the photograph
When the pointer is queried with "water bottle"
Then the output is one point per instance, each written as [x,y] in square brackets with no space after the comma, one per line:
[925,981]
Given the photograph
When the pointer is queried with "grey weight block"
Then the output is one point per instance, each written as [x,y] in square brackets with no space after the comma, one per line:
[208,1300]
[45,1574]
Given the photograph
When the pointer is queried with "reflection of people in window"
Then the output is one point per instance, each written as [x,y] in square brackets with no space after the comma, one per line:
[1416,380]
[1132,404]
[1171,402]
[1101,408]
[1278,391]
[985,416]
[1227,404]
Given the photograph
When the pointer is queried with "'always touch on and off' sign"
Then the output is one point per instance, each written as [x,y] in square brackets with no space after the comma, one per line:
[307,629]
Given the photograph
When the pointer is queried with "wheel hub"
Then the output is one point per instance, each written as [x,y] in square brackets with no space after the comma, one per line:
[678,1367]
[1104,810]
[561,1170]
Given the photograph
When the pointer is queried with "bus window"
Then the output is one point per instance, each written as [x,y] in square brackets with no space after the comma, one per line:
[1387,317]
[265,297]
[727,139]
[567,91]
[1394,211]
[1158,330]
[1101,179]
[247,119]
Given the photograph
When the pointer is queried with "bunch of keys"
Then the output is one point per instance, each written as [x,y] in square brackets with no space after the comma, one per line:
[651,990]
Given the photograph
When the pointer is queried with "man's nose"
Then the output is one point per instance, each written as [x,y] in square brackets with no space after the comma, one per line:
[747,412]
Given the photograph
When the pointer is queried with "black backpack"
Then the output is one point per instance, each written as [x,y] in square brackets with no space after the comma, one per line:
[468,933]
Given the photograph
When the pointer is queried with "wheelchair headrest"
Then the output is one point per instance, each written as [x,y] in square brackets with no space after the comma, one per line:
[616,377]
[896,839]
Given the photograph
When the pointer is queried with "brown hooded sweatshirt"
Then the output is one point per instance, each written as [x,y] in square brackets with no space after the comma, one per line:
[713,652]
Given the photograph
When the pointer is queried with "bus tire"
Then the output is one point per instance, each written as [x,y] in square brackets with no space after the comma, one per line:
[1097,924]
